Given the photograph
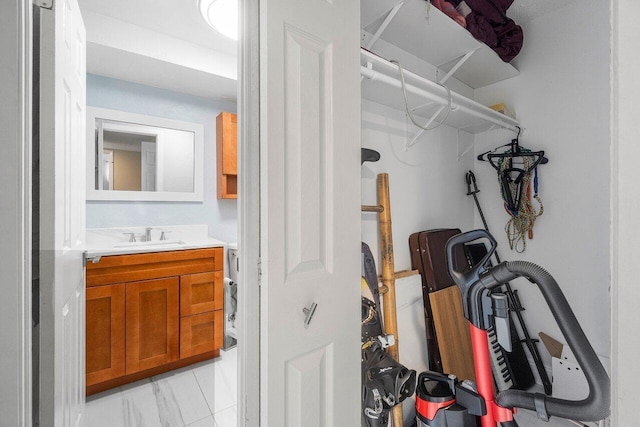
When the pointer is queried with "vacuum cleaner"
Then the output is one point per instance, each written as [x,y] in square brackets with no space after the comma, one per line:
[444,401]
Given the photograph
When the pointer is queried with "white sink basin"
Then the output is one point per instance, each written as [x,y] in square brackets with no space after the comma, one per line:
[153,244]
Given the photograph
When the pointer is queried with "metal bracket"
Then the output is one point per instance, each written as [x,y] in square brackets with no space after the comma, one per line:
[392,13]
[426,125]
[259,272]
[93,259]
[387,340]
[45,4]
[369,66]
[455,68]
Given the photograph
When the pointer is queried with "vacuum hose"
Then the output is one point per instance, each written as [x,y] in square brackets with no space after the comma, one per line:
[596,406]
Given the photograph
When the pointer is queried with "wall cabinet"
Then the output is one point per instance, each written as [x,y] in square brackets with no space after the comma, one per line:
[227,155]
[151,313]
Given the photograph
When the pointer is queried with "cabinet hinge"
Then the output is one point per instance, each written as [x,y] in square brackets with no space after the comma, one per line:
[259,271]
[46,4]
[93,259]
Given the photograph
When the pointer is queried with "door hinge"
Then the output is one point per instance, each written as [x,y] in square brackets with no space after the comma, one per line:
[46,4]
[259,271]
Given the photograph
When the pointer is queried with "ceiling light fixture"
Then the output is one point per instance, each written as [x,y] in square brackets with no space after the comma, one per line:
[222,15]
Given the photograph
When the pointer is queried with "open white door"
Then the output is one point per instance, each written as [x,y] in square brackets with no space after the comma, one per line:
[62,213]
[310,212]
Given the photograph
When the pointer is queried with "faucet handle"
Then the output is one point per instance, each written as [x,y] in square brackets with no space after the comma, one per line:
[132,237]
[147,234]
[163,235]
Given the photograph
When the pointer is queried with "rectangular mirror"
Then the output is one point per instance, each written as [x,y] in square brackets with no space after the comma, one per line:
[143,158]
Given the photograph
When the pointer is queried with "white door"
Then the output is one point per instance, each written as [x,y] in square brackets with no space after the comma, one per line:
[62,214]
[310,212]
[149,166]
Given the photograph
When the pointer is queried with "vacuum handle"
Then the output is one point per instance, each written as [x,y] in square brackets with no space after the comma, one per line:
[595,406]
[461,278]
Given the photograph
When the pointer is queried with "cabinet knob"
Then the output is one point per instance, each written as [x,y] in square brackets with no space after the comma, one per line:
[309,312]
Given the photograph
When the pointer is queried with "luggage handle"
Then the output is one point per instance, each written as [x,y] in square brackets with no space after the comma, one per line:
[461,278]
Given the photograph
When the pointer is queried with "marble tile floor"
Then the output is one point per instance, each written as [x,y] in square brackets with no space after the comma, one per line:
[201,395]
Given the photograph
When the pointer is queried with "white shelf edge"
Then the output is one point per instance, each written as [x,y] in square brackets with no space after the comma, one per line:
[411,32]
[388,73]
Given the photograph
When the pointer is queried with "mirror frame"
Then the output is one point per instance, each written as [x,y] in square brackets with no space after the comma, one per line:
[197,195]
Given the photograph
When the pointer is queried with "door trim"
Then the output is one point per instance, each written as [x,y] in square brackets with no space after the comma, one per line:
[15,217]
[249,215]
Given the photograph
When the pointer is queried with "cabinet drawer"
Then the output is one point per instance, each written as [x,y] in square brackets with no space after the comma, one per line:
[152,324]
[155,265]
[201,333]
[104,333]
[201,292]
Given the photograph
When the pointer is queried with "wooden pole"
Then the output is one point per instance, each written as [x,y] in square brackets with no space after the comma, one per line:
[388,278]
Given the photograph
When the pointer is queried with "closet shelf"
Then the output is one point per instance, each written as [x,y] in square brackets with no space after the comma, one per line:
[436,39]
[382,84]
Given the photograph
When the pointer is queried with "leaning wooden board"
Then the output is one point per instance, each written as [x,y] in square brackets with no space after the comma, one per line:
[453,333]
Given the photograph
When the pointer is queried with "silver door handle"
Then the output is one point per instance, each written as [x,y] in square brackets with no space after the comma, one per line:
[309,312]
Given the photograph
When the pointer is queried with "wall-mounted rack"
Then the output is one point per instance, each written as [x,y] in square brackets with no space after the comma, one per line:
[382,84]
[432,36]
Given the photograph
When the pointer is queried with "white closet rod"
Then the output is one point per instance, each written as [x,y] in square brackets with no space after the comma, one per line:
[436,93]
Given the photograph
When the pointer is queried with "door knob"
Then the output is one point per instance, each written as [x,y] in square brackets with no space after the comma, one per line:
[309,312]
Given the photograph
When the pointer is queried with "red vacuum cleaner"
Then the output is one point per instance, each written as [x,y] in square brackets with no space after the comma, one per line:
[443,401]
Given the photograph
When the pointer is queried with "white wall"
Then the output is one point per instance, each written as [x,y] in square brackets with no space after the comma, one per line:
[562,99]
[220,215]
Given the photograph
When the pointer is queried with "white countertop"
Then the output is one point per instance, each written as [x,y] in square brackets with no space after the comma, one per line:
[115,241]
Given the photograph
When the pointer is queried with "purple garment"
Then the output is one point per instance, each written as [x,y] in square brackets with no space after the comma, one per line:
[489,23]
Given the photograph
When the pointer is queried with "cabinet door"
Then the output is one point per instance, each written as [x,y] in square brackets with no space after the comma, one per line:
[227,134]
[201,333]
[227,155]
[201,292]
[152,323]
[105,333]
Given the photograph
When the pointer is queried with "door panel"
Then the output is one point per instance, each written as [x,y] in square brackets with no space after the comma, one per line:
[105,343]
[310,227]
[62,213]
[152,324]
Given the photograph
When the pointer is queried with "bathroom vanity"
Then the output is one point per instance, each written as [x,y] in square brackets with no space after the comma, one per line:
[151,311]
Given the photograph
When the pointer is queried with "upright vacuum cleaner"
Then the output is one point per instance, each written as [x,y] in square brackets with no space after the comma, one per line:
[443,401]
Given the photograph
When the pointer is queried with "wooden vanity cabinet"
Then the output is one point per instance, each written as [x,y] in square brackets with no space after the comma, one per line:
[150,313]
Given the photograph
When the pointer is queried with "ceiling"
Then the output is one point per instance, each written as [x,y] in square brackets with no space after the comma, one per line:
[160,43]
[176,18]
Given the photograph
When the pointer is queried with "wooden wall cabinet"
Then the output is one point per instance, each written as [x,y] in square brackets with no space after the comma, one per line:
[151,313]
[227,155]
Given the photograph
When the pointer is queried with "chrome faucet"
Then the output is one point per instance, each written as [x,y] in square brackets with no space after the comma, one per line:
[147,234]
